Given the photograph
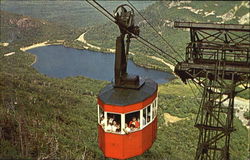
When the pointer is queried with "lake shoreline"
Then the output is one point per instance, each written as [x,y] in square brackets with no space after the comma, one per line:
[82,39]
[37,45]
[47,43]
[60,62]
[94,49]
[42,44]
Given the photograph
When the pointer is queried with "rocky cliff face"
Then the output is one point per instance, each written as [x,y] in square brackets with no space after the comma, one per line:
[13,26]
[164,12]
[20,22]
[24,29]
[24,23]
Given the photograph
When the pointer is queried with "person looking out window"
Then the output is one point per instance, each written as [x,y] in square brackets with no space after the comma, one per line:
[134,122]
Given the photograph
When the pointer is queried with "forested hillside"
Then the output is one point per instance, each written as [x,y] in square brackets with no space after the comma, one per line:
[19,31]
[162,16]
[75,13]
[50,118]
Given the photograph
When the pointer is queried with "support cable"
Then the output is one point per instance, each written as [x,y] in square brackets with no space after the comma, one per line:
[195,96]
[197,87]
[141,41]
[199,104]
[156,48]
[104,13]
[171,47]
[139,38]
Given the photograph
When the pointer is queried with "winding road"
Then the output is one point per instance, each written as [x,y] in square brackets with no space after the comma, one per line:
[82,39]
[241,106]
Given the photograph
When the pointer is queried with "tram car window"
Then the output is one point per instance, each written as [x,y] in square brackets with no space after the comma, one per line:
[113,123]
[133,120]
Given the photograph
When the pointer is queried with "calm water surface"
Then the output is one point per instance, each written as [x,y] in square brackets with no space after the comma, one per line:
[59,61]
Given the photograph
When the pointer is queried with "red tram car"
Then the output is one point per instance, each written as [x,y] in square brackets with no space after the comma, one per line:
[122,105]
[127,109]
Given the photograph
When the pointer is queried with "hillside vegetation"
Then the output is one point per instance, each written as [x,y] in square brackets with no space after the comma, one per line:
[162,15]
[21,31]
[49,118]
[67,12]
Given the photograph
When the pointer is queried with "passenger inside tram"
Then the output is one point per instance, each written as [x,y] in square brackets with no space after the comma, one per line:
[109,127]
[126,129]
[111,119]
[102,121]
[114,126]
[132,128]
[149,114]
[134,122]
[101,118]
[133,118]
[148,119]
[118,128]
[113,123]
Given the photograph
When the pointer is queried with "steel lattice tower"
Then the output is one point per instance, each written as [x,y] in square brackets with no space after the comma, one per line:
[217,59]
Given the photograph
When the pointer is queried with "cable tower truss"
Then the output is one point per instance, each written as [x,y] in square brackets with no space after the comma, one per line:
[218,60]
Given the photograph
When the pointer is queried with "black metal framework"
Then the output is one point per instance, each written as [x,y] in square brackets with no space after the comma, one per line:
[218,59]
[125,20]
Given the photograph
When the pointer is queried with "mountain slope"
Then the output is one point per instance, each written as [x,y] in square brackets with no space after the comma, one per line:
[72,12]
[18,30]
[162,15]
[49,118]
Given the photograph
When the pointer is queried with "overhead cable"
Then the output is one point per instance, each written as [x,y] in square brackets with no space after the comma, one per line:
[150,45]
[171,47]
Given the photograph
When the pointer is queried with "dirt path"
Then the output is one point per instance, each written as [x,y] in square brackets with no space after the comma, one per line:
[45,43]
[82,39]
[172,119]
[164,62]
[9,54]
[241,106]
[42,44]
[5,44]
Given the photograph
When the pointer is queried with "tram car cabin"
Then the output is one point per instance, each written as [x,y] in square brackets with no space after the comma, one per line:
[127,120]
[127,109]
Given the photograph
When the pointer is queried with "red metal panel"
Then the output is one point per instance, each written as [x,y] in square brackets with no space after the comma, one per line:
[133,144]
[129,145]
[147,137]
[113,145]
[129,108]
[101,135]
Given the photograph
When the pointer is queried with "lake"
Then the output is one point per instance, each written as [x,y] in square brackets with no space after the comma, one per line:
[59,61]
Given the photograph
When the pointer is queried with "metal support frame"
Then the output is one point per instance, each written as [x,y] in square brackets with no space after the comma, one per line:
[125,21]
[217,59]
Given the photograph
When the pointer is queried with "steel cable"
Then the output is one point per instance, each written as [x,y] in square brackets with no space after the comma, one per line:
[171,47]
[150,45]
